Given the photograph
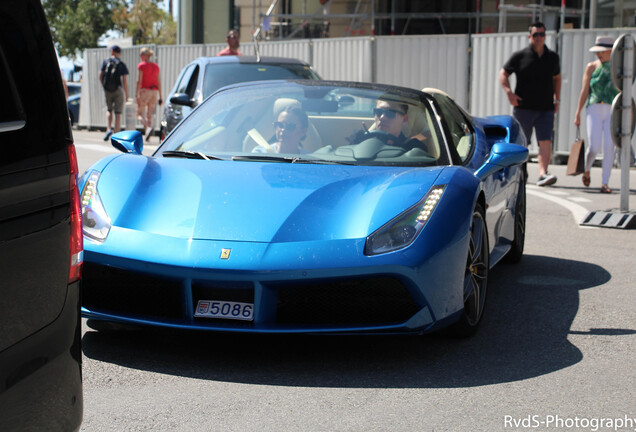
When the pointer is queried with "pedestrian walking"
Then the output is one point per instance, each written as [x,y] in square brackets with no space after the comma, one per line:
[597,94]
[114,78]
[233,43]
[148,90]
[536,95]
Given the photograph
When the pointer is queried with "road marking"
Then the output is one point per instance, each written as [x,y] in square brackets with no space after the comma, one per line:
[109,149]
[97,147]
[556,192]
[578,212]
[579,199]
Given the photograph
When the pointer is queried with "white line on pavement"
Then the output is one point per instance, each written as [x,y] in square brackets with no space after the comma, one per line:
[578,212]
[579,199]
[97,147]
[108,149]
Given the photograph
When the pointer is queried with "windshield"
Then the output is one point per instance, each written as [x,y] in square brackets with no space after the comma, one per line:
[221,75]
[312,122]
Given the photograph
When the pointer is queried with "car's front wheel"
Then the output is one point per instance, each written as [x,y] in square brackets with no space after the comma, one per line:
[475,277]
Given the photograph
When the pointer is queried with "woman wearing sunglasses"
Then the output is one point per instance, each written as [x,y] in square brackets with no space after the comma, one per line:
[290,129]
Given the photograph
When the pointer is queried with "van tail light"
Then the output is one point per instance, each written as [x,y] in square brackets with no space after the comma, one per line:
[77,245]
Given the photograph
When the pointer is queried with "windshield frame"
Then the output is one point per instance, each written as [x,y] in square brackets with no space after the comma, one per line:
[222,111]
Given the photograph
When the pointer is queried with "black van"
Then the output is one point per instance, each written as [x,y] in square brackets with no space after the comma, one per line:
[40,232]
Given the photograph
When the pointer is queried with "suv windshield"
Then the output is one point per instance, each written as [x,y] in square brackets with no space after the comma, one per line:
[221,75]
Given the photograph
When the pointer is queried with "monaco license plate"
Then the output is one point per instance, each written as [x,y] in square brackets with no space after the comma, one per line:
[225,310]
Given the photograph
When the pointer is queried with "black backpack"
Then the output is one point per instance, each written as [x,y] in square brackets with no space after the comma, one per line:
[111,77]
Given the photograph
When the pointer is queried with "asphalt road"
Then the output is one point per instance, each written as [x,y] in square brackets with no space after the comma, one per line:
[556,350]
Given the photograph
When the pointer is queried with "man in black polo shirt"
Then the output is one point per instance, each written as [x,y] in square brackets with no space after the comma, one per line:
[536,96]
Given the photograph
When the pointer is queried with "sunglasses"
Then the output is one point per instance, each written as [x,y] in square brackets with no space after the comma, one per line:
[387,112]
[538,34]
[287,126]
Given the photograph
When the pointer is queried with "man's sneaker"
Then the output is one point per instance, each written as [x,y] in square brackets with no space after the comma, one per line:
[108,134]
[546,179]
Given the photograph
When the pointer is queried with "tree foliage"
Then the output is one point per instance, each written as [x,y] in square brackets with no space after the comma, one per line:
[80,24]
[146,23]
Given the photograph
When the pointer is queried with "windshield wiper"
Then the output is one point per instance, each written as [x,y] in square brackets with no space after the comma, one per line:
[189,155]
[265,158]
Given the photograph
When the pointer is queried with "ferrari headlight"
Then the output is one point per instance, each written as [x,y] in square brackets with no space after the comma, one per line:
[95,222]
[402,230]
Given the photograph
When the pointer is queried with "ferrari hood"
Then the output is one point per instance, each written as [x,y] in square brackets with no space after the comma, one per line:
[256,201]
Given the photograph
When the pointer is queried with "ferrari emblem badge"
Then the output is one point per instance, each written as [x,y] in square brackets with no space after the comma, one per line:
[225,253]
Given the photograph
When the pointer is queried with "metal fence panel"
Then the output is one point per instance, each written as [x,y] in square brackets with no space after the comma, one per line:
[489,53]
[298,49]
[439,61]
[172,58]
[347,59]
[92,99]
[412,61]
[93,104]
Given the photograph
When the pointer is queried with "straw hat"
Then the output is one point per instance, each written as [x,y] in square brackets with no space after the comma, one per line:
[603,43]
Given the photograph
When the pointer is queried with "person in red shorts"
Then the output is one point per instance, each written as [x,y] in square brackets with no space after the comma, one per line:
[148,90]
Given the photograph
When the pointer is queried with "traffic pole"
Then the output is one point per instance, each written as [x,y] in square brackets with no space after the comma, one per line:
[626,121]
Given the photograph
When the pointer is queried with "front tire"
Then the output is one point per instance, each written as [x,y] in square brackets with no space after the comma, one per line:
[475,277]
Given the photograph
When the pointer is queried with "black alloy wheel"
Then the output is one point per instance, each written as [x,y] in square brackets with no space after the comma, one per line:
[475,277]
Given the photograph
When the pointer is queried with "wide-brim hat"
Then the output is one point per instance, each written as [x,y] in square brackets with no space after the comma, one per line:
[603,43]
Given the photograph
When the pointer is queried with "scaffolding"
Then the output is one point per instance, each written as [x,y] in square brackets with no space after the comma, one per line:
[274,25]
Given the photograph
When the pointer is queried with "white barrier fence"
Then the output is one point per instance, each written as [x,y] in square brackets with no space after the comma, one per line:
[464,66]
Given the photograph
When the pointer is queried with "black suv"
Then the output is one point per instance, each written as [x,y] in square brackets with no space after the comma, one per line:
[40,232]
[205,75]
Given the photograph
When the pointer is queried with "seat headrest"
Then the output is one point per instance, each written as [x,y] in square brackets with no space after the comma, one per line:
[282,103]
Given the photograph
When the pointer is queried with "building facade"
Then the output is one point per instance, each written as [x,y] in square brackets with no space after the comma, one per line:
[207,21]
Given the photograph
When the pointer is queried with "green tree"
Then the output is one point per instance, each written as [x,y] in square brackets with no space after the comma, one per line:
[79,24]
[146,23]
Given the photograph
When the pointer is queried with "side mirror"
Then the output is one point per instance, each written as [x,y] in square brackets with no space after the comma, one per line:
[130,141]
[502,155]
[182,99]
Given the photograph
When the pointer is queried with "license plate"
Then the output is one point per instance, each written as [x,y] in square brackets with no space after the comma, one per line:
[225,310]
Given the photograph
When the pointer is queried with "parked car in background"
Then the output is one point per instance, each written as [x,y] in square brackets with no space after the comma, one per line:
[354,228]
[73,104]
[74,88]
[205,75]
[40,232]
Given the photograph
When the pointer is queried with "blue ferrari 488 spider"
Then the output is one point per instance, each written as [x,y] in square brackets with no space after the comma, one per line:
[306,206]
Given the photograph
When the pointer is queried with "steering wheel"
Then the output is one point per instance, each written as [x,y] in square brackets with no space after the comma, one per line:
[376,144]
[385,137]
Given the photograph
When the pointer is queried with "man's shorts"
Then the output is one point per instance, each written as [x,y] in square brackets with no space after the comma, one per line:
[115,100]
[542,121]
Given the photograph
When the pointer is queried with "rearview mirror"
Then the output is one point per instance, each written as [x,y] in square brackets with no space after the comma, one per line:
[344,101]
[502,155]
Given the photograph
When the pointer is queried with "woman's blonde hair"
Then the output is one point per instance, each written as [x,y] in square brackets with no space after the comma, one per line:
[147,51]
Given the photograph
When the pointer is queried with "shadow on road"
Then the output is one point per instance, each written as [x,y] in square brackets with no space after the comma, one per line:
[530,309]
